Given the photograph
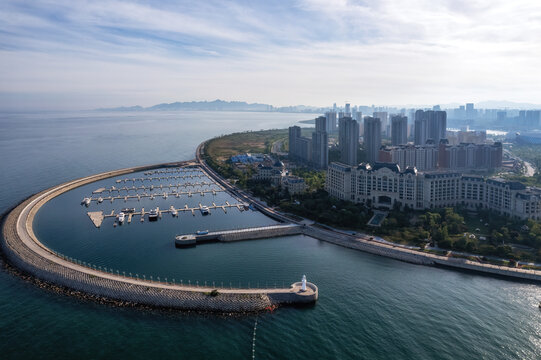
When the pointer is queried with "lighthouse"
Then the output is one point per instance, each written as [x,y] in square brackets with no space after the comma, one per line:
[303,286]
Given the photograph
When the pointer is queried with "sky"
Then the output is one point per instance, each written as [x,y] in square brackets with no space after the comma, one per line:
[70,54]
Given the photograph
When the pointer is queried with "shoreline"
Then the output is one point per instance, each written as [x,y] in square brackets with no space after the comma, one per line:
[25,256]
[365,244]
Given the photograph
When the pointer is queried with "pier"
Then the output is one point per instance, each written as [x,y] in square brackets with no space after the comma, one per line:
[253,233]
[164,195]
[97,217]
[160,178]
[155,187]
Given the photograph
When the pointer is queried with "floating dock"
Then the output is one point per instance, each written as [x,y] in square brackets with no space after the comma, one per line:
[97,217]
[160,178]
[153,187]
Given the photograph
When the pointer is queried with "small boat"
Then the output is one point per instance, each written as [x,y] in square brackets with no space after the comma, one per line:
[153,215]
[121,217]
[86,201]
[128,210]
[165,195]
[201,232]
[174,211]
[100,200]
[204,210]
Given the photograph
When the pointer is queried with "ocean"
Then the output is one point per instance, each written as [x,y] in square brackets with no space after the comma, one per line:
[370,307]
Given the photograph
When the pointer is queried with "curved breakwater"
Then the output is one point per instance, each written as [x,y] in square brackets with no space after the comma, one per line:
[23,250]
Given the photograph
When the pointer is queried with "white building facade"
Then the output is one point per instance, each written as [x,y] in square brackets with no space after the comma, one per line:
[384,185]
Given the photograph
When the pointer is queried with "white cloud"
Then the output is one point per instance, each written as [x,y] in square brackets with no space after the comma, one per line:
[316,52]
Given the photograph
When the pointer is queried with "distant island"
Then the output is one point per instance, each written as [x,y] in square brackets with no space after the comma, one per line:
[217,105]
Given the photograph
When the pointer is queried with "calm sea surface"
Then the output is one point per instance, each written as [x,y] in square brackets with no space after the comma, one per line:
[370,307]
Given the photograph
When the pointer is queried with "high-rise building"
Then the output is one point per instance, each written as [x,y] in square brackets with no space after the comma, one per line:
[320,148]
[399,130]
[321,124]
[348,140]
[383,116]
[331,121]
[469,156]
[471,113]
[430,125]
[294,134]
[528,119]
[300,148]
[501,117]
[348,109]
[359,118]
[372,138]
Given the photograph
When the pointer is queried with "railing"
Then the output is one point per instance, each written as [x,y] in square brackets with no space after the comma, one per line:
[169,281]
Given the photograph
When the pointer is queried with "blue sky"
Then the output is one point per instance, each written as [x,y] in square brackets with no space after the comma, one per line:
[87,54]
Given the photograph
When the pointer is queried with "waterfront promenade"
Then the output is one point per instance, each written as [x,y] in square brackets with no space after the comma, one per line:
[363,243]
[23,250]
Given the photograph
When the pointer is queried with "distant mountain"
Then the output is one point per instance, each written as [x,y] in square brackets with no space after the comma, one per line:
[216,105]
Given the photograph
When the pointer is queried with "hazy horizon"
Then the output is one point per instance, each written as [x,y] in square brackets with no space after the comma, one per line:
[62,55]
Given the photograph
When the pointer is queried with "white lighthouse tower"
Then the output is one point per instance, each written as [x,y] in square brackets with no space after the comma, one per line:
[303,286]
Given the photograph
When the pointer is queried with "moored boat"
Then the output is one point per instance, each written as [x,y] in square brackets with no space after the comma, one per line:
[153,215]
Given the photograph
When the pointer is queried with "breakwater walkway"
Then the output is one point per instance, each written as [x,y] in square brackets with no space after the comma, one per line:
[23,250]
[254,233]
[364,243]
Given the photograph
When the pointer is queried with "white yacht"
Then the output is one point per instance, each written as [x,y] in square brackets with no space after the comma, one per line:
[153,215]
[100,200]
[121,217]
[204,210]
[86,201]
[174,211]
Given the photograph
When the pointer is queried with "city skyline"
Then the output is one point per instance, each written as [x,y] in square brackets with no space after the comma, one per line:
[63,55]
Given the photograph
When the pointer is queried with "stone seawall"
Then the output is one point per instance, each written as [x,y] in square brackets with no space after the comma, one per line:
[417,257]
[253,235]
[24,251]
[367,246]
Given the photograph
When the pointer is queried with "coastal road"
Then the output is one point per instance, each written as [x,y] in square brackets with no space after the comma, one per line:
[364,243]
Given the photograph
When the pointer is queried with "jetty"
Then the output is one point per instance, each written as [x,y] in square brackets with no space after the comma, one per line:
[252,233]
[97,217]
[163,194]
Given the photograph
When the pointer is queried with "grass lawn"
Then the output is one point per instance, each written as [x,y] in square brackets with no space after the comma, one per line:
[222,148]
